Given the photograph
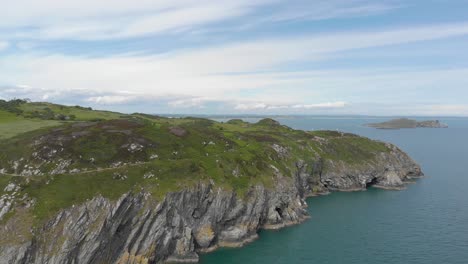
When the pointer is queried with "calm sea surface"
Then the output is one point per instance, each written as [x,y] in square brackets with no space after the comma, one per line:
[426,223]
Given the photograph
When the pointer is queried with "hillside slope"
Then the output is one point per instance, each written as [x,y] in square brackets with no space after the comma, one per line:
[145,189]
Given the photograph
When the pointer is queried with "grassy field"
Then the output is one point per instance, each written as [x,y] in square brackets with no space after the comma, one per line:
[36,116]
[6,117]
[81,113]
[12,125]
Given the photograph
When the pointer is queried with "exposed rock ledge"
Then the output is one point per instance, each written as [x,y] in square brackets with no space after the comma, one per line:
[139,229]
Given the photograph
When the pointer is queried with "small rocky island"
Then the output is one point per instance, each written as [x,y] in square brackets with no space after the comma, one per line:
[108,187]
[407,123]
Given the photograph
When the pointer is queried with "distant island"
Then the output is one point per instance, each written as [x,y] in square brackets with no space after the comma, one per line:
[407,123]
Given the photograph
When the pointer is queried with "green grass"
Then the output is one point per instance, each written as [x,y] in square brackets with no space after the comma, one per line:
[81,113]
[61,191]
[348,147]
[208,151]
[57,192]
[7,117]
[12,125]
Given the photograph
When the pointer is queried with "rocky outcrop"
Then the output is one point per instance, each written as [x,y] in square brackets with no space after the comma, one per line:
[432,124]
[389,170]
[139,229]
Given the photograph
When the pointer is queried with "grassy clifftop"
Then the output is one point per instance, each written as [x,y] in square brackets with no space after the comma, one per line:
[20,116]
[70,154]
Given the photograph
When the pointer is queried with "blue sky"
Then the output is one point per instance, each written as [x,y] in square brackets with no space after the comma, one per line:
[239,57]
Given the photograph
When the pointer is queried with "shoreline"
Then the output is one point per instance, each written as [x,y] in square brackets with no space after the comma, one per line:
[277,227]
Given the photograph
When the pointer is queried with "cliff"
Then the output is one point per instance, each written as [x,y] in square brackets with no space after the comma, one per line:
[138,229]
[145,189]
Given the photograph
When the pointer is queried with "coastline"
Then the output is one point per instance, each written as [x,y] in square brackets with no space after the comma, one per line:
[278,227]
[202,218]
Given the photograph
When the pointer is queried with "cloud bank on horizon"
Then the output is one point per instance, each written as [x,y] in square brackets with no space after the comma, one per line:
[388,57]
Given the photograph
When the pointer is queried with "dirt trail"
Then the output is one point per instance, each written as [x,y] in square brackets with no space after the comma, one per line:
[83,172]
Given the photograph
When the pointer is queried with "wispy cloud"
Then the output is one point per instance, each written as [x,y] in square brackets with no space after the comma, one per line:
[304,10]
[4,45]
[167,21]
[321,105]
[176,73]
[320,10]
[110,19]
[128,102]
[49,48]
[265,106]
[110,99]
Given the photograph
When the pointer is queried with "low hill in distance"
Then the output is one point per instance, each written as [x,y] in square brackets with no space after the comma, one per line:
[407,123]
[20,116]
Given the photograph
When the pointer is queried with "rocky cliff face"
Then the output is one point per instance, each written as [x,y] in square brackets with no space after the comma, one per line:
[388,171]
[139,229]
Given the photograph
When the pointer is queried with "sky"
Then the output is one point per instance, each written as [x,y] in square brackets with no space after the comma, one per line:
[333,57]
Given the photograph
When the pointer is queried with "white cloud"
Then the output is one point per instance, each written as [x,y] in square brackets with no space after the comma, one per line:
[205,72]
[110,99]
[181,104]
[319,10]
[264,106]
[27,12]
[320,105]
[106,19]
[195,77]
[4,45]
[23,86]
[165,21]
[305,10]
[198,102]
[248,107]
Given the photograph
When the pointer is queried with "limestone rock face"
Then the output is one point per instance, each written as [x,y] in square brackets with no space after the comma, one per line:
[389,170]
[137,228]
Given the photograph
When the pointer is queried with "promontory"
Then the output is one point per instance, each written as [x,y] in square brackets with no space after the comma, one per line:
[85,186]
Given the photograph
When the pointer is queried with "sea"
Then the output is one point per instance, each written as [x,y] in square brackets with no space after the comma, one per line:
[425,223]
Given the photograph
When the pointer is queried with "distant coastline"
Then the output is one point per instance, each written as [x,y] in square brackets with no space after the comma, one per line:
[408,123]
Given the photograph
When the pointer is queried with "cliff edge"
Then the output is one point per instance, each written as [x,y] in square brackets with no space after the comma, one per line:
[145,189]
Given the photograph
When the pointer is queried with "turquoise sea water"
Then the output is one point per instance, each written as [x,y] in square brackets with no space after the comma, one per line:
[426,223]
